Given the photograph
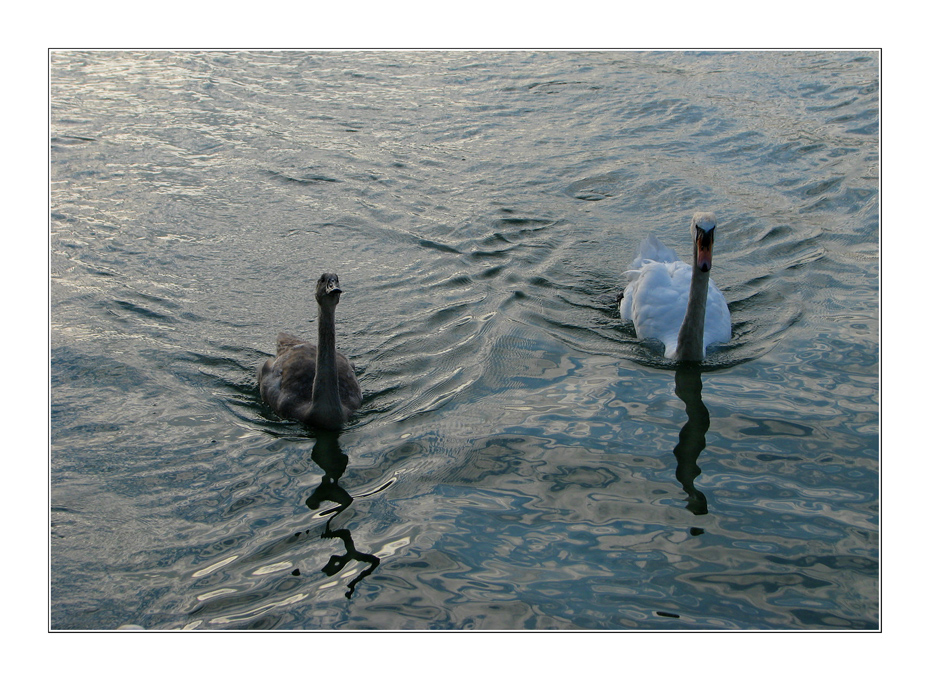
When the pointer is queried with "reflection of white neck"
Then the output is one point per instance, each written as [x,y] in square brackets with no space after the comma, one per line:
[327,407]
[691,334]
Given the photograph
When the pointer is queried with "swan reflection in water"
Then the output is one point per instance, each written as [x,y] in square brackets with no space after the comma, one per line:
[691,439]
[327,454]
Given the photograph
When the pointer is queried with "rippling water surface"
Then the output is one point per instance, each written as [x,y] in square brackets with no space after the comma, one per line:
[521,460]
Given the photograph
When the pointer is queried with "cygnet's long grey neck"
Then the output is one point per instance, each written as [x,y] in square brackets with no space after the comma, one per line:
[691,334]
[327,407]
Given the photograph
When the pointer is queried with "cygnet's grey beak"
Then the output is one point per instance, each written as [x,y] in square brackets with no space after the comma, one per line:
[332,287]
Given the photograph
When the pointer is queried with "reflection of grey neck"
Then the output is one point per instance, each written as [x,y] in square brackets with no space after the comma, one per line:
[327,454]
[327,407]
[691,334]
[691,440]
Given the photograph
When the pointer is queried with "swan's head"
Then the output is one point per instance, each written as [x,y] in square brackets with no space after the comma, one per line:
[702,232]
[327,289]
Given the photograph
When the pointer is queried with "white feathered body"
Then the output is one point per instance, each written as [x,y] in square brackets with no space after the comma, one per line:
[657,297]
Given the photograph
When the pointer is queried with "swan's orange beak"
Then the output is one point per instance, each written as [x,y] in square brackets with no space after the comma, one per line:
[704,245]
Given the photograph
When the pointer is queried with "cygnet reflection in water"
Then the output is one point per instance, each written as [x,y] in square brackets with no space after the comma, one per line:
[327,454]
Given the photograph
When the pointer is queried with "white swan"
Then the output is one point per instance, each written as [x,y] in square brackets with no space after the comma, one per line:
[313,384]
[674,302]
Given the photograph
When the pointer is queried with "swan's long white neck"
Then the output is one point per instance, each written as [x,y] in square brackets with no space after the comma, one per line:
[691,335]
[327,407]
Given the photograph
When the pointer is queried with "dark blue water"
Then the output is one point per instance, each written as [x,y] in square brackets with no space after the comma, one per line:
[521,459]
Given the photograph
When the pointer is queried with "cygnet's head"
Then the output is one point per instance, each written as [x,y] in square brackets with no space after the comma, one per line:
[327,289]
[702,232]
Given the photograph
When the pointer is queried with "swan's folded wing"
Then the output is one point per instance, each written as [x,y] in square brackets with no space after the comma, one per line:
[657,303]
[350,392]
[298,367]
[652,249]
[286,340]
[717,324]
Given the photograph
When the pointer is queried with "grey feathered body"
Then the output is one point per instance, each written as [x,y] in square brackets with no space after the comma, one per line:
[286,383]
